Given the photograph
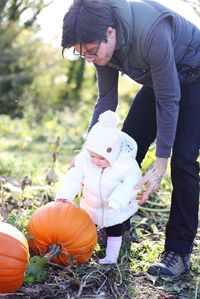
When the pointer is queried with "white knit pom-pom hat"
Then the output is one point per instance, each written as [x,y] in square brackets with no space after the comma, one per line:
[104,138]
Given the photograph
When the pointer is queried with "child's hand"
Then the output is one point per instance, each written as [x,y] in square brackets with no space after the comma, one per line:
[61,199]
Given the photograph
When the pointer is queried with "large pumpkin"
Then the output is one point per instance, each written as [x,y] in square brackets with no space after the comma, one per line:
[14,257]
[66,226]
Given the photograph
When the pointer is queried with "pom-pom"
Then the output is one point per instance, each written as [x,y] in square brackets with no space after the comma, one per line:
[109,119]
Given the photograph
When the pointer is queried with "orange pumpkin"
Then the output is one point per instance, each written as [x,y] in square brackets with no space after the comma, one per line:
[65,225]
[14,257]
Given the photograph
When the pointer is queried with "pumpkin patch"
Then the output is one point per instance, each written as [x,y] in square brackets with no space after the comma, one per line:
[65,228]
[14,255]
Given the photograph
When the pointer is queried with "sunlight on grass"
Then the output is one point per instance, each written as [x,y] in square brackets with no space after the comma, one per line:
[144,253]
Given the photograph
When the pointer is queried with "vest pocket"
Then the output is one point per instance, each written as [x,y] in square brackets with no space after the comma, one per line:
[141,76]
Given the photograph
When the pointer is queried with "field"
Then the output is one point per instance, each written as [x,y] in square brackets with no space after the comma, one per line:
[32,160]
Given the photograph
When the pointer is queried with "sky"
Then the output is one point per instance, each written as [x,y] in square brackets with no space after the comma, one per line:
[51,17]
[50,20]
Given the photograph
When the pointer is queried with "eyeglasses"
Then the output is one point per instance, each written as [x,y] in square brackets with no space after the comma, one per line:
[91,53]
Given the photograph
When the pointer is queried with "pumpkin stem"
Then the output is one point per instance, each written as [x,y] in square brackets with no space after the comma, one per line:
[54,250]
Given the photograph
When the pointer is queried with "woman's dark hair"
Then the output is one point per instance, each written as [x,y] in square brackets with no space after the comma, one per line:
[86,22]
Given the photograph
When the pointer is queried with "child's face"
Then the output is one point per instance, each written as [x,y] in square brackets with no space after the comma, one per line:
[98,160]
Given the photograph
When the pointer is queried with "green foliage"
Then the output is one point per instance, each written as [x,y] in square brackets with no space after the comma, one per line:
[26,150]
[14,73]
[19,218]
[16,59]
[196,260]
[144,253]
[71,91]
[13,10]
[13,166]
[35,272]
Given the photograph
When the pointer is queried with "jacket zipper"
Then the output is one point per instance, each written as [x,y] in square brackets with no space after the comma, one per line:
[100,195]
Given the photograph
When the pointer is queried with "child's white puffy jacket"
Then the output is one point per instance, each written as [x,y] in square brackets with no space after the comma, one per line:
[109,194]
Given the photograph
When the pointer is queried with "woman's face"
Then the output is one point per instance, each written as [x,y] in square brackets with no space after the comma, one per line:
[98,160]
[99,53]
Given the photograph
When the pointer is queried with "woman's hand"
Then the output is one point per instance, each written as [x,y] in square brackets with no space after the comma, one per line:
[152,179]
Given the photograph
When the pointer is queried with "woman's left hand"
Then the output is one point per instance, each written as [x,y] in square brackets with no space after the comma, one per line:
[151,180]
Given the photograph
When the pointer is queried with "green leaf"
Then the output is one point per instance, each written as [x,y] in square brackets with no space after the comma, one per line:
[35,271]
[29,279]
[154,228]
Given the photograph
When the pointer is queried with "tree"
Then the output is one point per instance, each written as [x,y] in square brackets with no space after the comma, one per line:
[71,92]
[195,4]
[13,11]
[16,47]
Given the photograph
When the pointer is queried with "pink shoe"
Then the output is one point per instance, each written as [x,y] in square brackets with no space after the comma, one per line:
[106,260]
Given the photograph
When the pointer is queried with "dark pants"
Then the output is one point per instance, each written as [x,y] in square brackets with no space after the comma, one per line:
[141,125]
[117,230]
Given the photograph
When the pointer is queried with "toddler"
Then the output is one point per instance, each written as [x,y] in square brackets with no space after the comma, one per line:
[108,172]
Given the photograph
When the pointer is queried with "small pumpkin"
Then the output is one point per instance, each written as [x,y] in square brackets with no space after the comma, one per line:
[14,255]
[66,228]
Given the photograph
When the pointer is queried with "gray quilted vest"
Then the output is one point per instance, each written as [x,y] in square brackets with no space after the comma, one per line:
[137,18]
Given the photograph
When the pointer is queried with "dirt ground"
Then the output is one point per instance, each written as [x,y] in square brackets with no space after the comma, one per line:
[92,280]
[106,284]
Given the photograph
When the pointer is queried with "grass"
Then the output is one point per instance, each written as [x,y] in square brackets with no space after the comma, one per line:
[30,153]
[18,158]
